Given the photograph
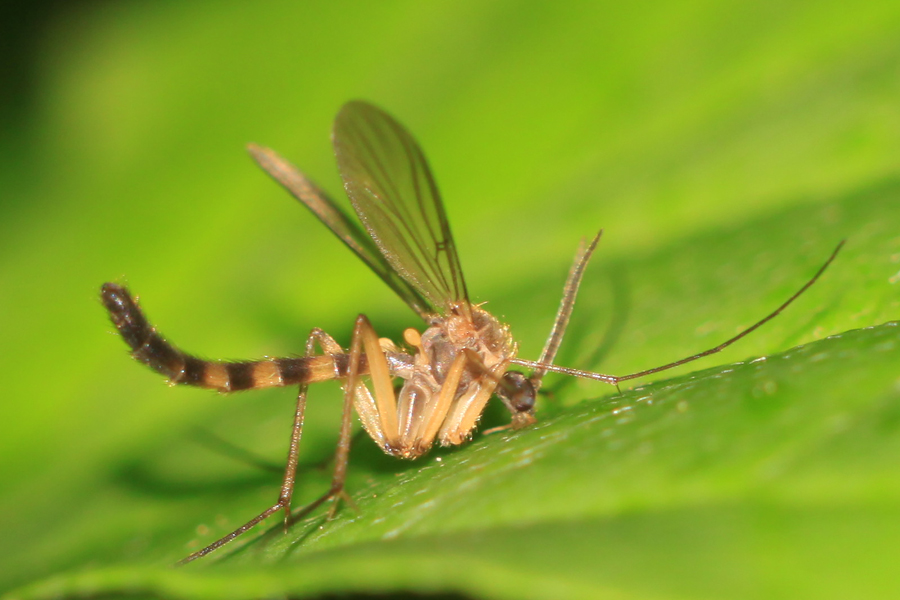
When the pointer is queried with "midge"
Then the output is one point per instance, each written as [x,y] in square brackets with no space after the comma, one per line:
[449,371]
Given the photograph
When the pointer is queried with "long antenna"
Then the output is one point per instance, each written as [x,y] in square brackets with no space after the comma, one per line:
[561,322]
[615,379]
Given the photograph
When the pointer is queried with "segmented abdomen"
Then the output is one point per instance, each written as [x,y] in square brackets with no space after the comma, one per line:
[150,348]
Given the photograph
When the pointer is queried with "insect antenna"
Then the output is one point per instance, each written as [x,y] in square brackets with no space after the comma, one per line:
[570,291]
[615,379]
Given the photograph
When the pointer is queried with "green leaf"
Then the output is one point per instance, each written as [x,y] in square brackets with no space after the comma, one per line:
[725,151]
[771,474]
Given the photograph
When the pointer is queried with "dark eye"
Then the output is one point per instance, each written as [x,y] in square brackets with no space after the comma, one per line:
[517,392]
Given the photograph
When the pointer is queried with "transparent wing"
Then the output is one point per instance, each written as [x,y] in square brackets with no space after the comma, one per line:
[388,181]
[339,223]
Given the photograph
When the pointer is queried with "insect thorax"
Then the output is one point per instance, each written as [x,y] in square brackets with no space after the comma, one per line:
[482,347]
[482,334]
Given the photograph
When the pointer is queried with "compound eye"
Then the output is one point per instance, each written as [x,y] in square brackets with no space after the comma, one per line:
[517,392]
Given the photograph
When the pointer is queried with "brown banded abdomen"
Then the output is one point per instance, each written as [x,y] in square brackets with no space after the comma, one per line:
[150,348]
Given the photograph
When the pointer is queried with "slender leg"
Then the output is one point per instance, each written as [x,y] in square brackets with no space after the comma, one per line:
[615,379]
[290,472]
[329,346]
[364,340]
[356,394]
[342,455]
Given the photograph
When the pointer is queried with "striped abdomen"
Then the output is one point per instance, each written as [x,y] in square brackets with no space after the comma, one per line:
[150,348]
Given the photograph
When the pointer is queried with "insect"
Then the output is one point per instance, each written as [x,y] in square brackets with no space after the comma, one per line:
[449,371]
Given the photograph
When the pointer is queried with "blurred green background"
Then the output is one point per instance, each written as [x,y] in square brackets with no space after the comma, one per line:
[724,147]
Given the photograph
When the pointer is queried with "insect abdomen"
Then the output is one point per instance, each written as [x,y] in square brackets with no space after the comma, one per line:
[150,348]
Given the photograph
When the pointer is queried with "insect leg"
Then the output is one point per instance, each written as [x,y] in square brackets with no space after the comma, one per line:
[290,472]
[743,333]
[440,407]
[355,393]
[329,346]
[615,379]
[468,407]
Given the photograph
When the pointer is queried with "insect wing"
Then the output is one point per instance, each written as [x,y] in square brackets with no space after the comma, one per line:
[391,187]
[338,222]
